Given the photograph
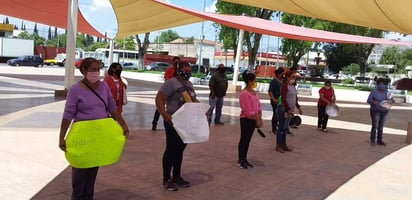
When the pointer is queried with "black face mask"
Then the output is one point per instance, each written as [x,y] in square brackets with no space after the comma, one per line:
[117,72]
[185,75]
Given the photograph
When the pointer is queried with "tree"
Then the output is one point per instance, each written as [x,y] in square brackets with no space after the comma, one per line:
[49,34]
[229,36]
[352,69]
[126,43]
[166,36]
[338,56]
[295,49]
[35,29]
[405,59]
[361,52]
[142,48]
[24,35]
[390,56]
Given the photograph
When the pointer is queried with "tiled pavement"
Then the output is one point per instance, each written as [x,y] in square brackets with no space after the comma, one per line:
[339,164]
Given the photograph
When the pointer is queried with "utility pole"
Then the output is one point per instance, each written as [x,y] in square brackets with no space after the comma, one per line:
[202,37]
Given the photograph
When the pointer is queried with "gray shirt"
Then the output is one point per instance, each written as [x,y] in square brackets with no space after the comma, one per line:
[174,90]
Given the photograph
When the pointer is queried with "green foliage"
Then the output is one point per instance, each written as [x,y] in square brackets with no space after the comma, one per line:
[126,43]
[360,52]
[166,36]
[390,56]
[348,81]
[229,36]
[95,46]
[352,69]
[295,49]
[24,35]
[338,56]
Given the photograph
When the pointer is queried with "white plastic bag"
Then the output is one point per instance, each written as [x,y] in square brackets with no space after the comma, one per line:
[190,122]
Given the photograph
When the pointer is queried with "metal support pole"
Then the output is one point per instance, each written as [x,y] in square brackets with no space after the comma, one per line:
[71,43]
[238,52]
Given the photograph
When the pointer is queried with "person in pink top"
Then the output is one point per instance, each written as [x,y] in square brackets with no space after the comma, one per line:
[326,97]
[250,117]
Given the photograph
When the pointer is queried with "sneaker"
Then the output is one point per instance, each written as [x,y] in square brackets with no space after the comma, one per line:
[325,130]
[181,182]
[248,164]
[154,126]
[319,129]
[372,143]
[241,164]
[381,143]
[169,185]
[219,123]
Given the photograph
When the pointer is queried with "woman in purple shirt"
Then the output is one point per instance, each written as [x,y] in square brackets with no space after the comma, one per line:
[378,113]
[250,117]
[82,104]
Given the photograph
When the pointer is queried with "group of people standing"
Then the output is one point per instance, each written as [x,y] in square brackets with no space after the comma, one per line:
[92,99]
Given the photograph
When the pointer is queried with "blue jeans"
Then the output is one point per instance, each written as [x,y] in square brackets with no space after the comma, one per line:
[378,121]
[283,125]
[215,103]
[274,117]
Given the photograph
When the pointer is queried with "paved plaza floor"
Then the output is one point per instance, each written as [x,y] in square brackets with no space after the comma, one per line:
[339,164]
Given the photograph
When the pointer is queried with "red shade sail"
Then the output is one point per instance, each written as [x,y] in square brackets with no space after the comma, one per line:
[262,26]
[49,12]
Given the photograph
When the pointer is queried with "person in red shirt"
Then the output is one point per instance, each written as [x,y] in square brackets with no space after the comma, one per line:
[169,73]
[326,97]
[116,84]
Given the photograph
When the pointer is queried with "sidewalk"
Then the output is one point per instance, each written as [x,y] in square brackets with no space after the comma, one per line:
[338,165]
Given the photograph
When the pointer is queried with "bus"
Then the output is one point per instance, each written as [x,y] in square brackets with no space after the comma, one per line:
[120,56]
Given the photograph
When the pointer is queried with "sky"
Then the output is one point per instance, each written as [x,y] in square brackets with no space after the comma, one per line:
[100,15]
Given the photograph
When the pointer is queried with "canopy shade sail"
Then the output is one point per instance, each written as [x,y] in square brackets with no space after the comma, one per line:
[262,26]
[387,15]
[49,12]
[142,16]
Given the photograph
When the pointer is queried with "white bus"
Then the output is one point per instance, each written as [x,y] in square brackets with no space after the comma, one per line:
[120,56]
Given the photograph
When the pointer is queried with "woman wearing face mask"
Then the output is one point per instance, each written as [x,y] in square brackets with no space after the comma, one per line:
[285,109]
[116,85]
[326,97]
[171,96]
[250,117]
[378,112]
[81,105]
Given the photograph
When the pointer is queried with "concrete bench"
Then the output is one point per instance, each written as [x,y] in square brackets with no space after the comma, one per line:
[304,89]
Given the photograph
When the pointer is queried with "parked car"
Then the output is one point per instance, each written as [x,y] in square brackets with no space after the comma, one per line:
[157,66]
[195,68]
[35,61]
[50,62]
[129,65]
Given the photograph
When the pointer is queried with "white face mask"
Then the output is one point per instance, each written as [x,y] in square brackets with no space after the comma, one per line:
[93,77]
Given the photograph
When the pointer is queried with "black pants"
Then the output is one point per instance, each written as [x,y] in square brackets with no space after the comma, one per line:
[322,117]
[274,117]
[83,181]
[156,118]
[173,155]
[247,127]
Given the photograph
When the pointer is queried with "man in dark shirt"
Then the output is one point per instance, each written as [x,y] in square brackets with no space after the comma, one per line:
[218,86]
[274,93]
